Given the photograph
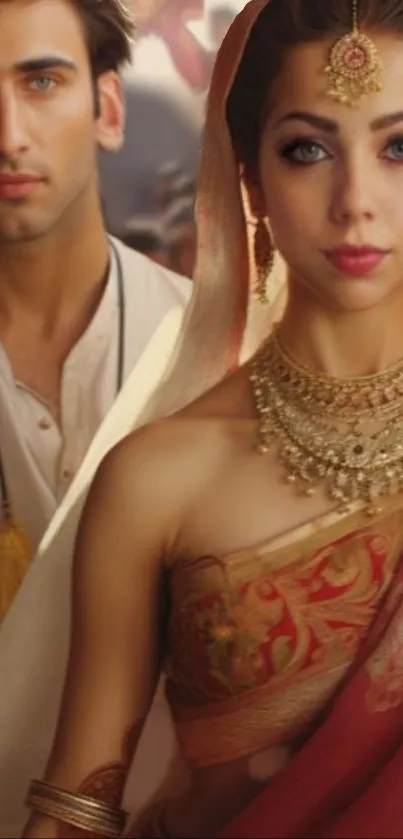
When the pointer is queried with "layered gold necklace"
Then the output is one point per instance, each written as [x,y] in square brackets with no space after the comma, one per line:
[343,434]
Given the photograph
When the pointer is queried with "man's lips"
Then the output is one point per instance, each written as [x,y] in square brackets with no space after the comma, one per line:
[18,186]
[355,261]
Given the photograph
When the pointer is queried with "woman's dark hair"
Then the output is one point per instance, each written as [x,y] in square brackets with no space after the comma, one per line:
[109,31]
[281,25]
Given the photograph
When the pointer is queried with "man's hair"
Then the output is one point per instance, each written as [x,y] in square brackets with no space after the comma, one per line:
[109,31]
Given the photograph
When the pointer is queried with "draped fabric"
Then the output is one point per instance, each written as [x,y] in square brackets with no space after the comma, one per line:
[224,323]
[346,780]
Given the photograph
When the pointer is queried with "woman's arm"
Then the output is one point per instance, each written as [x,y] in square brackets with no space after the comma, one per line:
[114,656]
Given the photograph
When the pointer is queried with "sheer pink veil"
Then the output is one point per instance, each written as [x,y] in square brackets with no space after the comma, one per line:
[223,321]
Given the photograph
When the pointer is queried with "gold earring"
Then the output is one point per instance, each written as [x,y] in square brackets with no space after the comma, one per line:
[264,259]
[354,68]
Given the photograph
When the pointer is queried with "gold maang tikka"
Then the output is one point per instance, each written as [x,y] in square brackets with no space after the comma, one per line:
[354,67]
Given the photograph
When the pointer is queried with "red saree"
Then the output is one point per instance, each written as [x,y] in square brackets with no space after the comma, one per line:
[347,780]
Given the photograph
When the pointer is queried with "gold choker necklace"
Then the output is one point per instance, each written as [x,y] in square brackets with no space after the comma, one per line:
[343,434]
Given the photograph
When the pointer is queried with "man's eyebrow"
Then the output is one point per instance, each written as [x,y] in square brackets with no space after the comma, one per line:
[46,62]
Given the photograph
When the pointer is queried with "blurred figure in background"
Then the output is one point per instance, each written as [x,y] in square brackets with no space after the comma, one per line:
[211,28]
[158,129]
[172,184]
[169,236]
[181,234]
[147,237]
[165,91]
[166,178]
[168,20]
[164,108]
[183,187]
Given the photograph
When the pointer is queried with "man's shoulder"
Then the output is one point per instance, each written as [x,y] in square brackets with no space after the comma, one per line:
[153,276]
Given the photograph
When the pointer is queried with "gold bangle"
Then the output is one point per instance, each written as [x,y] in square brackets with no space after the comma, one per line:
[77,810]
[83,802]
[48,791]
[91,825]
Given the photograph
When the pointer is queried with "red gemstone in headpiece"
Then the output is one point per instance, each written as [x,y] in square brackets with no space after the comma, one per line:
[355,58]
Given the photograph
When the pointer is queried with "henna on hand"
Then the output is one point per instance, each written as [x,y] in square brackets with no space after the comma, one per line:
[106,784]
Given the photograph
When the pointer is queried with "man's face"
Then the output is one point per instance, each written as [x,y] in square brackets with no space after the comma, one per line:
[48,130]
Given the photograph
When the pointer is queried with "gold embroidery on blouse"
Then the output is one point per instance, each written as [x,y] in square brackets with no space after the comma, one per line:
[272,644]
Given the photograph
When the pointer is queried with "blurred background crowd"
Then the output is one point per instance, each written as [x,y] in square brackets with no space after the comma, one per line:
[148,188]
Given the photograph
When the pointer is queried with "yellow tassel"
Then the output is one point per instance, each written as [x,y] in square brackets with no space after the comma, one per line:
[15,557]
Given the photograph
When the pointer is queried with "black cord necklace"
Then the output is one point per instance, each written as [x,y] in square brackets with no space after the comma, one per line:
[121,319]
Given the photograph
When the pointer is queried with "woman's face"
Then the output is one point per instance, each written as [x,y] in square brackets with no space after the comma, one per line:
[332,176]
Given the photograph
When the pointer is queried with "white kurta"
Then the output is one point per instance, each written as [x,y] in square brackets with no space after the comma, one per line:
[34,635]
[87,391]
[40,459]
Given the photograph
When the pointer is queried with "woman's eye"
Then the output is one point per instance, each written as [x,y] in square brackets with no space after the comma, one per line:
[304,152]
[42,83]
[394,150]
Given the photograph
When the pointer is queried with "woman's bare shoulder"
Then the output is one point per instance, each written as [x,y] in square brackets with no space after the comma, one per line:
[173,457]
[164,460]
[142,490]
[188,436]
[151,479]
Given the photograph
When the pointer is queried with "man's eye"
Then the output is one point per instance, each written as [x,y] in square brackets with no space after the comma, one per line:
[42,83]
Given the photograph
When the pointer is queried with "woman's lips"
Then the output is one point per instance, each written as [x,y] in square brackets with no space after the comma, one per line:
[355,261]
